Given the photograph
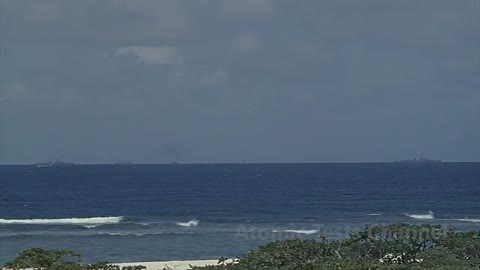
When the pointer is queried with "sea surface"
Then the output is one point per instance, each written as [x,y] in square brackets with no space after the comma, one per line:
[124,213]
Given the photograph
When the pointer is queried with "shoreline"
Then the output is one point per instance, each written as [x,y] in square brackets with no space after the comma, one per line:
[175,265]
[159,265]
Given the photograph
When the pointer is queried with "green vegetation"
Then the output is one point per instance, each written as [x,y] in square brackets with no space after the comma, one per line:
[58,259]
[397,246]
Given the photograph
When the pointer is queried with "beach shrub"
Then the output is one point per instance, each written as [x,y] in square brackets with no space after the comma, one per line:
[45,259]
[396,246]
[58,259]
[391,247]
[463,245]
[395,243]
[289,252]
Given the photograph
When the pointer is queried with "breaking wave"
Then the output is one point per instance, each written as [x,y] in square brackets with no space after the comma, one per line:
[90,234]
[92,221]
[129,234]
[91,226]
[296,231]
[468,220]
[417,216]
[191,223]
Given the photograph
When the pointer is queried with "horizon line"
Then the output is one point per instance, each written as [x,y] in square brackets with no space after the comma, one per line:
[231,163]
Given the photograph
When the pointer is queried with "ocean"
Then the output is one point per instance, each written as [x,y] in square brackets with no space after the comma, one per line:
[123,213]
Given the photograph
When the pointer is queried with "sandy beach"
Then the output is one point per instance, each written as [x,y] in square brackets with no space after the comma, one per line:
[175,265]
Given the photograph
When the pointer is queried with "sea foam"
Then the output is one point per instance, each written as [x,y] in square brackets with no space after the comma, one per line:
[468,220]
[191,223]
[64,221]
[417,216]
[296,231]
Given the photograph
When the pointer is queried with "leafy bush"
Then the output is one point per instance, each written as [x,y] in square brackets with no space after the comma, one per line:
[464,245]
[40,258]
[281,253]
[58,259]
[397,246]
[399,239]
[392,247]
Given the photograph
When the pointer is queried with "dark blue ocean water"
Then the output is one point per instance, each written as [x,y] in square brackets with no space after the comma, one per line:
[164,212]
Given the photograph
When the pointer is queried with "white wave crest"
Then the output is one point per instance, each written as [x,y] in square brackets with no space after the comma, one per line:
[130,233]
[64,221]
[374,214]
[296,231]
[191,223]
[122,234]
[468,220]
[417,216]
[91,226]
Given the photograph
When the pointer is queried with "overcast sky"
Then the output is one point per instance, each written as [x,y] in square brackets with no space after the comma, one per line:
[246,80]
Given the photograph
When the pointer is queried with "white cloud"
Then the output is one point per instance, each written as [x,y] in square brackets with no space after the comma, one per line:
[109,21]
[246,9]
[247,43]
[474,99]
[165,55]
[217,78]
[17,91]
[154,9]
[20,92]
[189,78]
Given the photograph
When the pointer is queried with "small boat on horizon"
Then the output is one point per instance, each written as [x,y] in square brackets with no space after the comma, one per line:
[123,162]
[421,159]
[174,163]
[53,164]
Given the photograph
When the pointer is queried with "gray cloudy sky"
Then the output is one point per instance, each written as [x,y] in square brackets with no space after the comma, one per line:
[225,81]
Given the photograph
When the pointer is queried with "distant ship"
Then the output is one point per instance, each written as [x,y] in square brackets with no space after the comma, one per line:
[421,159]
[53,164]
[174,163]
[123,163]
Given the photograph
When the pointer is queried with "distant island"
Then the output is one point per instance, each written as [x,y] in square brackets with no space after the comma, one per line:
[53,164]
[421,159]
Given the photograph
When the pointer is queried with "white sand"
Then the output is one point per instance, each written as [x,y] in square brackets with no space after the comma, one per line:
[175,265]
